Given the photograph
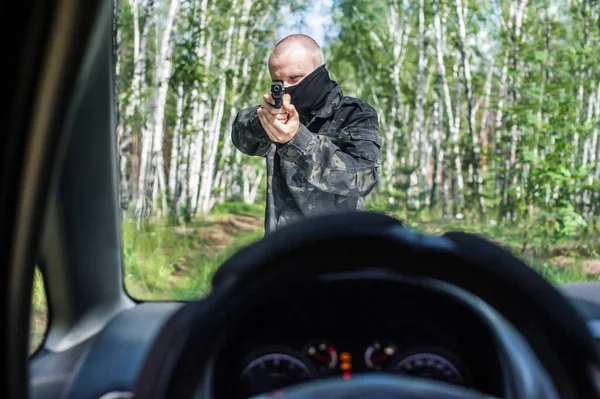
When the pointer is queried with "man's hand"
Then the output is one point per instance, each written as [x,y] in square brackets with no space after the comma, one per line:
[268,103]
[278,129]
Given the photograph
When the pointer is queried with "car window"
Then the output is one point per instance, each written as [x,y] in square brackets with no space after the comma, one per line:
[450,115]
[39,313]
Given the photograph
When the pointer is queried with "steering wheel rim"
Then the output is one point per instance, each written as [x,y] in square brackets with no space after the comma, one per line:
[245,273]
[377,386]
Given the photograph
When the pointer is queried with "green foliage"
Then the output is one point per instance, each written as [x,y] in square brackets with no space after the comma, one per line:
[534,176]
[553,58]
[177,263]
[559,223]
[385,202]
[162,262]
[239,208]
[125,51]
[559,275]
[39,313]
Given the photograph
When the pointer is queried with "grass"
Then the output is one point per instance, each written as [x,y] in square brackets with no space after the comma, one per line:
[239,208]
[575,259]
[163,262]
[166,264]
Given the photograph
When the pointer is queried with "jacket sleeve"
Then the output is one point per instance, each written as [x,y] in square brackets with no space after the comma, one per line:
[248,135]
[350,168]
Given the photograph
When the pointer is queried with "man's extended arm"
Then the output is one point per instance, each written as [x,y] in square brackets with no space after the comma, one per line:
[350,168]
[248,135]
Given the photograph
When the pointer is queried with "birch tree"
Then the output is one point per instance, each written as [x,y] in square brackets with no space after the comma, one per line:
[152,180]
[452,123]
[417,139]
[519,119]
[133,116]
[466,67]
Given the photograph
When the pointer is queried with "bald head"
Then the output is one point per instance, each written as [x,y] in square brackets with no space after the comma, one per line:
[293,58]
[302,43]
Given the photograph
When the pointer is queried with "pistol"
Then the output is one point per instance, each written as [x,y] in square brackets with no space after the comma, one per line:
[277,92]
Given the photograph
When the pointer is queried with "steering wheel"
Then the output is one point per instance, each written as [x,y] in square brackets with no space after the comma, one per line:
[376,386]
[545,347]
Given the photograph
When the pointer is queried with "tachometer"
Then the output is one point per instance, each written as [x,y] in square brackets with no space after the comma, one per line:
[275,370]
[430,365]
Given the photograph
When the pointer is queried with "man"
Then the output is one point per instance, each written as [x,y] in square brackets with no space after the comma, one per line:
[323,149]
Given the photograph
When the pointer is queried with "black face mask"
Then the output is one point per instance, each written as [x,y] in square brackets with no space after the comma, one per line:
[310,94]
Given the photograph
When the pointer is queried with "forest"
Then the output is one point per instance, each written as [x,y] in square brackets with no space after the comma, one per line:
[489,111]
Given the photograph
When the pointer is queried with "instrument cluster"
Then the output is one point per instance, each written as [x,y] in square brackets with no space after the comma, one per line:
[274,367]
[348,328]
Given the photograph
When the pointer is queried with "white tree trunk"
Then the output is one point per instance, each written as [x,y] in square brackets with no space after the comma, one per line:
[200,105]
[515,131]
[595,156]
[251,182]
[398,34]
[389,160]
[437,150]
[476,151]
[487,91]
[184,171]
[587,143]
[163,73]
[415,157]
[246,176]
[123,151]
[457,172]
[255,186]
[595,146]
[579,110]
[206,198]
[224,175]
[196,148]
[498,128]
[152,161]
[426,145]
[143,198]
[238,87]
[177,148]
[177,142]
[457,67]
[140,44]
[587,152]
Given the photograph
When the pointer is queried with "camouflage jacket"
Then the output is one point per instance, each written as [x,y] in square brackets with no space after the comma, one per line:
[331,164]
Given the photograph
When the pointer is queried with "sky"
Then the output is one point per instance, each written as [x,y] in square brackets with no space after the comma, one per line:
[317,20]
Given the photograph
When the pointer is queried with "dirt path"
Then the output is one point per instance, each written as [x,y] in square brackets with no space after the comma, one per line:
[222,233]
[215,234]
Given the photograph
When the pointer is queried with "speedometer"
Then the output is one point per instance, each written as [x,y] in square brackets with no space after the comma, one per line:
[430,365]
[274,370]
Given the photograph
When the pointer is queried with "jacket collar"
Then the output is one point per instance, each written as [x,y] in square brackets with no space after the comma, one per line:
[333,102]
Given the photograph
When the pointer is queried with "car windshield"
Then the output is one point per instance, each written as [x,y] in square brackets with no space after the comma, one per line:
[237,118]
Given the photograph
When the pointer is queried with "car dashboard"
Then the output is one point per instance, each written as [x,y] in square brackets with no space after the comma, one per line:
[316,330]
[343,328]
